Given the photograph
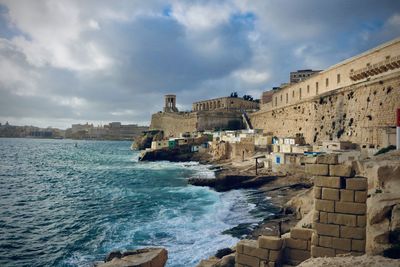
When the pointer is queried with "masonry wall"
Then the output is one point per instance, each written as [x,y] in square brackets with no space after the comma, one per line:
[363,113]
[174,123]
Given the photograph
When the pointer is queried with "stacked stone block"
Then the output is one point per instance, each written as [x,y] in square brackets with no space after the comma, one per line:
[266,251]
[297,246]
[340,208]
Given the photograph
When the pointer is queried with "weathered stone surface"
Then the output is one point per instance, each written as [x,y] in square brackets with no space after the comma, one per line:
[324,181]
[325,241]
[275,255]
[361,221]
[317,169]
[395,220]
[330,194]
[350,208]
[251,249]
[323,217]
[326,229]
[360,196]
[346,195]
[327,159]
[322,252]
[154,257]
[342,219]
[358,245]
[247,260]
[314,239]
[296,243]
[324,205]
[301,233]
[340,170]
[341,243]
[297,254]
[270,242]
[352,232]
[245,242]
[357,184]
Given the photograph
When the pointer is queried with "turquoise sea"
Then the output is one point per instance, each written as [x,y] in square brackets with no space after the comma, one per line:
[67,205]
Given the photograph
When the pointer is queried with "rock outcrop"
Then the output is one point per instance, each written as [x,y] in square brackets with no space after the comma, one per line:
[147,257]
[144,141]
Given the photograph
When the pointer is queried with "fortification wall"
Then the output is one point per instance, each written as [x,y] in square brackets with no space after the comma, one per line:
[174,123]
[362,113]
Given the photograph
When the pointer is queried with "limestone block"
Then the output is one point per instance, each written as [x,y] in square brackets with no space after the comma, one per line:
[270,242]
[301,233]
[254,251]
[316,216]
[324,181]
[342,219]
[275,255]
[360,196]
[325,241]
[326,229]
[296,243]
[346,195]
[297,254]
[309,160]
[323,217]
[357,184]
[317,192]
[358,245]
[352,232]
[245,242]
[341,243]
[328,159]
[340,170]
[322,252]
[350,208]
[247,260]
[324,205]
[330,194]
[317,169]
[361,221]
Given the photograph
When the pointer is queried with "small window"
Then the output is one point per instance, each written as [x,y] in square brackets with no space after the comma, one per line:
[287,98]
[316,87]
[281,98]
[338,78]
[308,89]
[300,93]
[293,94]
[327,82]
[276,101]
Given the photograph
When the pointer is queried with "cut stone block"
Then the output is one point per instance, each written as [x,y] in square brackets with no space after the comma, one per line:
[324,205]
[352,232]
[361,221]
[340,170]
[351,208]
[360,196]
[317,192]
[317,169]
[342,219]
[323,217]
[326,229]
[341,243]
[296,243]
[358,245]
[325,181]
[270,242]
[357,184]
[322,252]
[247,260]
[325,241]
[330,194]
[297,254]
[328,159]
[346,195]
[301,233]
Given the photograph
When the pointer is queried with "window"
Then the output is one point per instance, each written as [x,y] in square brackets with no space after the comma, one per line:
[338,78]
[316,88]
[327,82]
[276,101]
[287,98]
[281,98]
[308,89]
[300,93]
[293,94]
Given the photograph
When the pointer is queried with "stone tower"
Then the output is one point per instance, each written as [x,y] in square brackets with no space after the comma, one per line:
[170,103]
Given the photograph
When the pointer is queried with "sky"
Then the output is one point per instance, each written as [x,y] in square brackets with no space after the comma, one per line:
[64,62]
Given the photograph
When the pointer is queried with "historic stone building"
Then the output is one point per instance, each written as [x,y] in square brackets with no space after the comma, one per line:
[301,75]
[354,100]
[229,103]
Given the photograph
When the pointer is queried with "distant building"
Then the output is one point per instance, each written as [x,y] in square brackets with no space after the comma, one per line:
[301,75]
[112,131]
[229,103]
[170,103]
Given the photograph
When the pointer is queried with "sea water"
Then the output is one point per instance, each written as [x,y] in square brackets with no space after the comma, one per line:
[69,203]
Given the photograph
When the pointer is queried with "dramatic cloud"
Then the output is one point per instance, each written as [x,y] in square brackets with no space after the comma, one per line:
[64,62]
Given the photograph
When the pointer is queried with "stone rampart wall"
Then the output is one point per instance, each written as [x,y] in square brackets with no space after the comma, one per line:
[362,113]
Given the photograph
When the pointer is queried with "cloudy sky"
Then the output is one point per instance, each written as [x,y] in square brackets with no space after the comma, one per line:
[64,62]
